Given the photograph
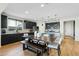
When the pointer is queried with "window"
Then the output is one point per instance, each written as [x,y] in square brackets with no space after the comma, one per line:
[11,23]
[19,23]
[14,24]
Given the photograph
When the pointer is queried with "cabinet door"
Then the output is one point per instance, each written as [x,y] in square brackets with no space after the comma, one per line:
[3,21]
[29,24]
[11,38]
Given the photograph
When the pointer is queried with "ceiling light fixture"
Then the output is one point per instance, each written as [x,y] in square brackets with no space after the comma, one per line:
[42,5]
[45,4]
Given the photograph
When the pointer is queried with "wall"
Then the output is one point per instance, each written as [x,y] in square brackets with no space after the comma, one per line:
[2,7]
[76,19]
[62,29]
[0,30]
[68,28]
[77,29]
[41,26]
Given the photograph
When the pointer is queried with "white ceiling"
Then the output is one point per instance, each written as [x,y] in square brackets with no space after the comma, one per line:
[36,12]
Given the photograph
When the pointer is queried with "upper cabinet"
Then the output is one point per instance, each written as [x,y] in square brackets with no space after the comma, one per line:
[12,23]
[29,24]
[3,21]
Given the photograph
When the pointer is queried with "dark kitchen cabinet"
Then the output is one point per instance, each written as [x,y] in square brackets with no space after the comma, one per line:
[11,38]
[29,24]
[3,21]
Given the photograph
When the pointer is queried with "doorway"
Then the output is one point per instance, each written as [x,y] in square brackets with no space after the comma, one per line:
[69,29]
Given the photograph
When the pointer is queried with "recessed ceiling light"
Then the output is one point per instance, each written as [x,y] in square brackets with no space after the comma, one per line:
[27,12]
[42,5]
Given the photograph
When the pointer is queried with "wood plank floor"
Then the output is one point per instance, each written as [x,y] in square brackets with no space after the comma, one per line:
[69,47]
[15,49]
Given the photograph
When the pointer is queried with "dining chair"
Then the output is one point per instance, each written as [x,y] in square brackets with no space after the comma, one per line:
[56,43]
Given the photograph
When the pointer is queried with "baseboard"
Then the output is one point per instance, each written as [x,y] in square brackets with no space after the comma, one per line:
[76,39]
[67,36]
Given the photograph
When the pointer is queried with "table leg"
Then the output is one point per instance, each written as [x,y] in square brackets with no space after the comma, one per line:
[48,51]
[59,51]
[23,46]
[38,53]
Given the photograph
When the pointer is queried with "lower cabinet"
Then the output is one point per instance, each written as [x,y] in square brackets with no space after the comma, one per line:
[11,38]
